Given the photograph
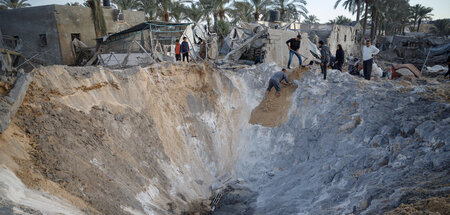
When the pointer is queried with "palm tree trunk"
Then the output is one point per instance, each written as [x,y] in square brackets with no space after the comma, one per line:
[358,10]
[365,20]
[256,14]
[418,24]
[373,26]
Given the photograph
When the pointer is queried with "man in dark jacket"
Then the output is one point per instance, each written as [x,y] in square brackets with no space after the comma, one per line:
[185,49]
[324,58]
[275,81]
[293,46]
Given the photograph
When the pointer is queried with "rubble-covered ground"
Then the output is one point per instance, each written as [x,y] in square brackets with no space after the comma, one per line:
[166,138]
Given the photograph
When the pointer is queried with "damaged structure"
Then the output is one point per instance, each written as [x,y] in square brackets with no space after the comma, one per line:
[259,43]
[48,31]
[141,44]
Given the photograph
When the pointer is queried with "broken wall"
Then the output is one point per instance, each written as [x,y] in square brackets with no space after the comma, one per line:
[349,37]
[278,52]
[28,24]
[78,20]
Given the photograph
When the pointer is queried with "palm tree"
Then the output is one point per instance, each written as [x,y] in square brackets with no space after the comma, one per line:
[259,7]
[14,3]
[148,6]
[419,13]
[77,4]
[177,11]
[242,11]
[352,5]
[290,9]
[193,13]
[127,4]
[341,20]
[163,9]
[424,13]
[312,19]
[206,9]
[366,14]
[441,27]
[98,18]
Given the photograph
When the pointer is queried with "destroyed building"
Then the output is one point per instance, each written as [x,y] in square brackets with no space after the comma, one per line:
[46,32]
[259,43]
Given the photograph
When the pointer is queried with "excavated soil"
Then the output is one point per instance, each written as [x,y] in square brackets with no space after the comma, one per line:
[166,138]
[273,111]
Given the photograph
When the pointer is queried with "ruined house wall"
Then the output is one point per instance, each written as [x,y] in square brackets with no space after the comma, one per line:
[58,23]
[78,20]
[28,24]
[348,37]
[277,51]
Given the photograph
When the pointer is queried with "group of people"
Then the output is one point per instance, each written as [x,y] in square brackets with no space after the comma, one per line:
[368,52]
[182,49]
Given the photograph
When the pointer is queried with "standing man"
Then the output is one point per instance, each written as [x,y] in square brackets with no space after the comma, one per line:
[324,58]
[293,46]
[177,50]
[368,52]
[185,49]
[275,81]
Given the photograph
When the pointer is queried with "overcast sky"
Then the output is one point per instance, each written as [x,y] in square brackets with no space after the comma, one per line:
[321,8]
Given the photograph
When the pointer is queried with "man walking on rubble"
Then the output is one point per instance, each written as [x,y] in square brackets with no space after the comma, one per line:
[368,52]
[293,46]
[275,81]
[185,49]
[324,58]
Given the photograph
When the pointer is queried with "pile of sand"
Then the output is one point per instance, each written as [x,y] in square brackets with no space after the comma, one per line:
[273,111]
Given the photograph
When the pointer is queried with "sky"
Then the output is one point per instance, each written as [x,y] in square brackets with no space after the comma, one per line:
[323,9]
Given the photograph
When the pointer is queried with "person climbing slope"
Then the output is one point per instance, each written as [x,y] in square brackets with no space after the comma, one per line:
[275,81]
[293,46]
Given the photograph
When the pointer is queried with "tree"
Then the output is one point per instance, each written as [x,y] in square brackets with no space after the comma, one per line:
[290,9]
[207,8]
[148,6]
[194,13]
[441,27]
[14,3]
[312,19]
[127,4]
[77,4]
[98,19]
[352,6]
[243,11]
[341,20]
[423,13]
[259,7]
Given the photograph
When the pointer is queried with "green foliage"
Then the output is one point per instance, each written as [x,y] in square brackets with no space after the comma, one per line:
[13,4]
[242,11]
[312,19]
[127,4]
[222,28]
[441,27]
[419,12]
[290,9]
[341,20]
[76,4]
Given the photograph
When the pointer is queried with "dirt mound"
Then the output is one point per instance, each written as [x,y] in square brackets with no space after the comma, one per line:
[431,206]
[273,111]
